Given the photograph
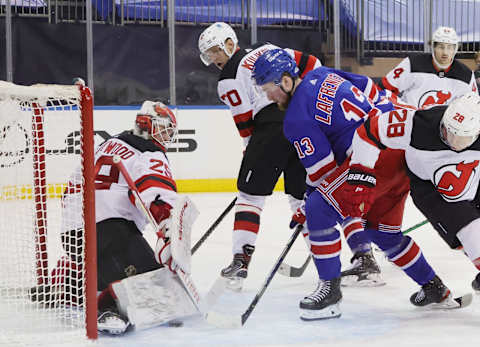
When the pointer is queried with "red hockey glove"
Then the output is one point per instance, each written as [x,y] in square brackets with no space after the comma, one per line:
[298,217]
[358,194]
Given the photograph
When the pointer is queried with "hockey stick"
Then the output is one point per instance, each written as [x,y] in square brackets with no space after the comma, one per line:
[185,278]
[214,225]
[413,227]
[292,271]
[232,321]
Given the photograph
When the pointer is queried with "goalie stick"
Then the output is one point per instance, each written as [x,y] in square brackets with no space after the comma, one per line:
[214,225]
[222,320]
[292,271]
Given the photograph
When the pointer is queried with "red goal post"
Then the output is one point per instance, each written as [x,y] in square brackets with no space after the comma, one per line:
[48,279]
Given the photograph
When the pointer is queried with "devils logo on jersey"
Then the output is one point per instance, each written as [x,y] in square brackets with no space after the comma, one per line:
[434,97]
[454,180]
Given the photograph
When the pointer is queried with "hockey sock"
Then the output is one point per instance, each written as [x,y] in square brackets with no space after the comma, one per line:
[325,247]
[247,220]
[356,237]
[408,256]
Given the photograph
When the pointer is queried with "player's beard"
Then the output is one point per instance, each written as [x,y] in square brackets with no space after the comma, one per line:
[282,106]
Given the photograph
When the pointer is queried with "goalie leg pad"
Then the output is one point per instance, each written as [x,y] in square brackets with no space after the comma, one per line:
[152,298]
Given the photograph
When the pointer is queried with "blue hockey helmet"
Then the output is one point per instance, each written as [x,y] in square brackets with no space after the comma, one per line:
[271,66]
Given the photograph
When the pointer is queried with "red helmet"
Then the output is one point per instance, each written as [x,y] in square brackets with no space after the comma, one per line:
[156,121]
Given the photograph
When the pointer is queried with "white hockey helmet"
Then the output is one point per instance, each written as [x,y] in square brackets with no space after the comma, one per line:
[444,35]
[156,121]
[216,35]
[460,124]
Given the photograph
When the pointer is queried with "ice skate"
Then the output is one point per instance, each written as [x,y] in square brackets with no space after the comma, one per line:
[364,272]
[433,294]
[112,323]
[237,271]
[323,303]
[476,284]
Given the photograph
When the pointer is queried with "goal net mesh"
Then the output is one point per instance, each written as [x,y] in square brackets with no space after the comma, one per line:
[42,247]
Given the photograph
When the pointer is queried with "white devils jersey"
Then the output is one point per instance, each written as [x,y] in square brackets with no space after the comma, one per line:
[237,90]
[147,165]
[455,175]
[418,83]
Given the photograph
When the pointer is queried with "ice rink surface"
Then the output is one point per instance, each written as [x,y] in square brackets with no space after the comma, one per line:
[381,316]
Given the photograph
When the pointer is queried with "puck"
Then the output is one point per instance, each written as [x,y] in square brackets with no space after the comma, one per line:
[175,323]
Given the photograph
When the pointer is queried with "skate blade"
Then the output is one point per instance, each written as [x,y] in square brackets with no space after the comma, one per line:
[329,312]
[364,280]
[234,284]
[451,303]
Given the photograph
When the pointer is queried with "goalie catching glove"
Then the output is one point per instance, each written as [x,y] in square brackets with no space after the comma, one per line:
[161,212]
[358,192]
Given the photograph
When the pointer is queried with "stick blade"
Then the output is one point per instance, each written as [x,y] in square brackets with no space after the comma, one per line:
[464,301]
[285,270]
[292,271]
[224,321]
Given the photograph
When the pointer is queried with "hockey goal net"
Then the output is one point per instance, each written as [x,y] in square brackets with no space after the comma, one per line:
[47,274]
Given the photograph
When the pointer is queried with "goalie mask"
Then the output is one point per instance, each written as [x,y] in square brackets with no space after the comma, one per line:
[460,124]
[444,46]
[216,35]
[156,121]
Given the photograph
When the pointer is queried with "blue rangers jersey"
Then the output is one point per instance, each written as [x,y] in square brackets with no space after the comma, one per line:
[323,114]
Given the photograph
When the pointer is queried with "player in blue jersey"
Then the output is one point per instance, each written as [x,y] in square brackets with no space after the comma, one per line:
[364,270]
[323,110]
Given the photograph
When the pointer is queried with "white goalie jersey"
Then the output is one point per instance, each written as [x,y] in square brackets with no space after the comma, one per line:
[237,90]
[149,168]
